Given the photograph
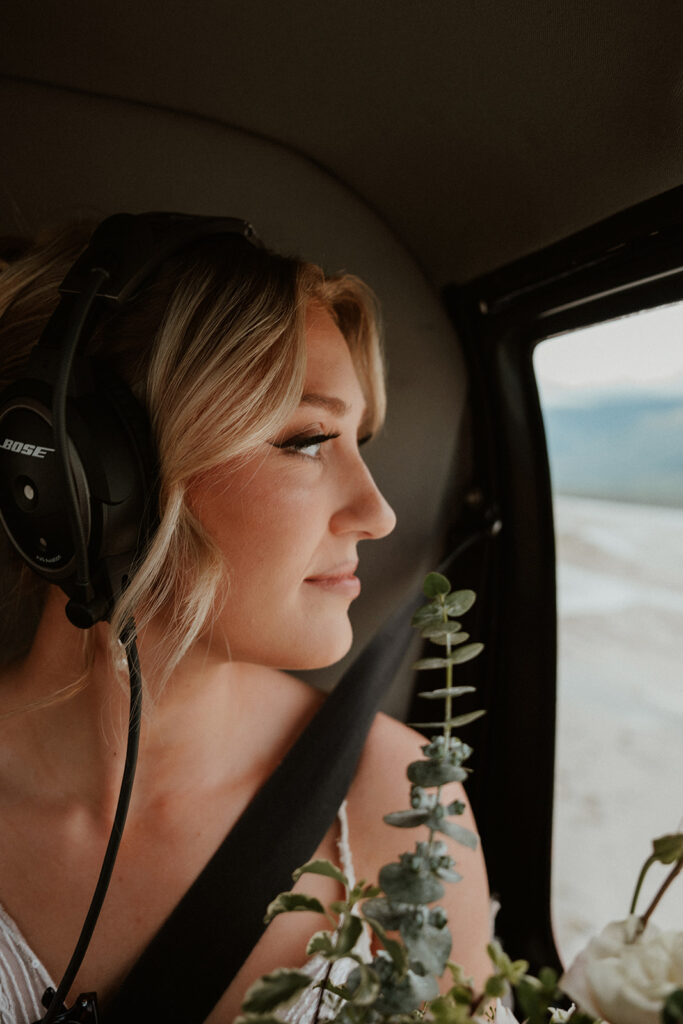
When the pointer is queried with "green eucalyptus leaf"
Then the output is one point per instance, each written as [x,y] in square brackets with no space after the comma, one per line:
[321,942]
[457,657]
[406,819]
[338,907]
[459,602]
[446,1010]
[274,990]
[427,945]
[532,1001]
[535,995]
[401,883]
[434,773]
[348,935]
[424,664]
[396,951]
[452,723]
[321,867]
[672,1013]
[287,901]
[548,978]
[385,912]
[460,978]
[668,849]
[470,716]
[444,625]
[449,627]
[435,584]
[512,970]
[442,640]
[495,987]
[446,691]
[448,875]
[429,613]
[458,832]
[356,893]
[465,653]
[363,985]
[406,995]
[370,891]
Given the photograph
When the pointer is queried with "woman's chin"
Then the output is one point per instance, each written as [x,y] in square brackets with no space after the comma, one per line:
[320,651]
[311,643]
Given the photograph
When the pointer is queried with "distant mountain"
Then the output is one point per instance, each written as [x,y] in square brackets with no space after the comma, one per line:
[625,448]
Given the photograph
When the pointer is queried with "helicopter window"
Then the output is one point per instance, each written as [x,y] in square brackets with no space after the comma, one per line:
[612,399]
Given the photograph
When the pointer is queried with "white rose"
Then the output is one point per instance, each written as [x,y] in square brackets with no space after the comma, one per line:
[626,982]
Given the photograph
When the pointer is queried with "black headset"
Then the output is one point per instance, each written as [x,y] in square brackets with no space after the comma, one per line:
[77,463]
[78,475]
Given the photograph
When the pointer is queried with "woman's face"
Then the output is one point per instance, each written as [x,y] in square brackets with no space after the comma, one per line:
[289,520]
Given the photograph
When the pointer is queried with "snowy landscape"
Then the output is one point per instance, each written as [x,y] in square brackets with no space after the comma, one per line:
[612,398]
[619,780]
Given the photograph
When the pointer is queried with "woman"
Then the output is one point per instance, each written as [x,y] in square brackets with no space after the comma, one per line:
[261,378]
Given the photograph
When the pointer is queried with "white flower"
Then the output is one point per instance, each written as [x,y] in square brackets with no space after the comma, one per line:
[559,1016]
[499,1013]
[626,982]
[504,1015]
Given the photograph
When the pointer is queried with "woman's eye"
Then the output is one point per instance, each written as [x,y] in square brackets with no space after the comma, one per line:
[308,446]
[311,449]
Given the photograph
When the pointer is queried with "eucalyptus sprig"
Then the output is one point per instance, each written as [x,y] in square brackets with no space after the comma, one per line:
[413,937]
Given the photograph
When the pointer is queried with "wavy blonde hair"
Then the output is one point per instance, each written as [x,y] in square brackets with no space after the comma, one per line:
[214,348]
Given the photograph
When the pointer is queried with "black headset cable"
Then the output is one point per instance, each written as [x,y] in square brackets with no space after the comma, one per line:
[56,1000]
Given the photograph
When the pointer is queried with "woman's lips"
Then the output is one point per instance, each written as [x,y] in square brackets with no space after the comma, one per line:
[345,582]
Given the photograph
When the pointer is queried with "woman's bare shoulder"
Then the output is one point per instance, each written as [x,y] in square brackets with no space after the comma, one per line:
[381,784]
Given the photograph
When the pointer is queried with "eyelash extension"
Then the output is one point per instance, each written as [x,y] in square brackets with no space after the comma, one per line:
[303,441]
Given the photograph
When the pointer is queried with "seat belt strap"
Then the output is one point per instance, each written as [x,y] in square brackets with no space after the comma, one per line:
[199,949]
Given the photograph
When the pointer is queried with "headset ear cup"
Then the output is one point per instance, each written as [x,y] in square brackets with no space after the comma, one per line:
[113,466]
[32,495]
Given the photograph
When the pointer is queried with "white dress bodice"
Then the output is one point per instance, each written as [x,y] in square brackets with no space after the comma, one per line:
[23,978]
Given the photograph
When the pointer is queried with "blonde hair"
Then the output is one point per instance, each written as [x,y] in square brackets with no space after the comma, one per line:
[214,348]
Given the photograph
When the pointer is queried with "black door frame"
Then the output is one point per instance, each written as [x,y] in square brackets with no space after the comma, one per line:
[629,262]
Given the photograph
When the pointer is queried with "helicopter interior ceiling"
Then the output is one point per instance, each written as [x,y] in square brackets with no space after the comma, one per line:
[478,132]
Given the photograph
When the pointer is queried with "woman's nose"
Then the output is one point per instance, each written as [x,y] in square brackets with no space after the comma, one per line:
[365,510]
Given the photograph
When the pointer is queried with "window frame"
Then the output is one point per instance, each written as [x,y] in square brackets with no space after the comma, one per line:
[630,262]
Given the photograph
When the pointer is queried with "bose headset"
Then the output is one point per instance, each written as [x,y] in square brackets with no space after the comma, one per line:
[78,472]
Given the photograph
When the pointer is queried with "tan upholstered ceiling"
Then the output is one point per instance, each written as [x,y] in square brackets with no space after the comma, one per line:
[478,129]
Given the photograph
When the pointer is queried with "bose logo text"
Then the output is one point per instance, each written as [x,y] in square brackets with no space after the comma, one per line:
[21,448]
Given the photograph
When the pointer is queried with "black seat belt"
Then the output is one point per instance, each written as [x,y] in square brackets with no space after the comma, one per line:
[199,949]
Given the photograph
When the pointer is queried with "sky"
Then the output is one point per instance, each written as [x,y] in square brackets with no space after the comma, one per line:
[641,353]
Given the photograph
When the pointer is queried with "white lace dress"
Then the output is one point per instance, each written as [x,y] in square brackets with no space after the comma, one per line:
[302,1011]
[23,978]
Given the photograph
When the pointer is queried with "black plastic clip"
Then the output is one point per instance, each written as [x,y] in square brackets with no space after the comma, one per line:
[83,1011]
